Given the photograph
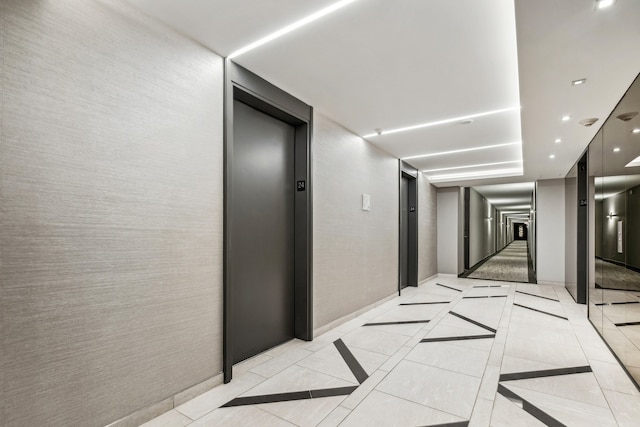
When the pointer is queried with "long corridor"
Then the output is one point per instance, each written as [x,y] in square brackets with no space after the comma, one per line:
[454,352]
[510,264]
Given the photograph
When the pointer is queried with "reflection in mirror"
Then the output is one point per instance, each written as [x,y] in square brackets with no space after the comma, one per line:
[614,306]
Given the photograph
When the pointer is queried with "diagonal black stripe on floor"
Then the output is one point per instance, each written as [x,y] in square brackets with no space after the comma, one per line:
[456,424]
[425,303]
[351,361]
[536,412]
[287,397]
[545,373]
[462,338]
[617,303]
[538,296]
[488,328]
[448,287]
[627,324]
[540,311]
[356,369]
[486,296]
[399,322]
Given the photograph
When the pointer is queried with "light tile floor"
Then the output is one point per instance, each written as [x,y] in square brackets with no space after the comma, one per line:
[540,363]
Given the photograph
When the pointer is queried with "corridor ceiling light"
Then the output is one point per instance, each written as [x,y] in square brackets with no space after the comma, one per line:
[472,166]
[633,163]
[616,150]
[578,82]
[480,174]
[463,150]
[601,4]
[552,156]
[636,130]
[565,118]
[289,28]
[443,122]
[558,140]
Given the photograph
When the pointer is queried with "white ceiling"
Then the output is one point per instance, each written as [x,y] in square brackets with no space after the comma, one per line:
[514,199]
[390,64]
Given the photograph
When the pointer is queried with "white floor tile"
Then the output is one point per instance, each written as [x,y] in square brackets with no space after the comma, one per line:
[446,356]
[380,409]
[625,407]
[241,416]
[296,378]
[375,340]
[446,391]
[214,398]
[304,413]
[172,418]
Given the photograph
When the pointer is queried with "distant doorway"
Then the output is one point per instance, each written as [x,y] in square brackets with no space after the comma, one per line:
[520,231]
[408,250]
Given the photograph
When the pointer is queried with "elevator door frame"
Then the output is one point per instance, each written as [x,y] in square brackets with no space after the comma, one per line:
[244,86]
[411,173]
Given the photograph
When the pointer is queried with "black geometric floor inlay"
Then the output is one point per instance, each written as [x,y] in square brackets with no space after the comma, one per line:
[545,373]
[617,303]
[448,287]
[425,303]
[463,338]
[486,296]
[400,322]
[353,364]
[536,412]
[286,397]
[488,286]
[537,296]
[456,424]
[627,324]
[488,328]
[540,311]
[356,369]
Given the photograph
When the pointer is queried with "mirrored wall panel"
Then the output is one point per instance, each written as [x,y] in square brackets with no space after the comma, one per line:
[614,228]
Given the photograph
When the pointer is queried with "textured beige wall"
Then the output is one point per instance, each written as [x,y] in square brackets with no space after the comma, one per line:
[355,253]
[111,198]
[427,228]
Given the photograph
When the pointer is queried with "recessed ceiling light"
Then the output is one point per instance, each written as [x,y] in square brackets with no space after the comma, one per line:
[552,156]
[472,166]
[617,149]
[463,150]
[565,118]
[636,130]
[442,122]
[601,4]
[289,28]
[578,82]
[558,140]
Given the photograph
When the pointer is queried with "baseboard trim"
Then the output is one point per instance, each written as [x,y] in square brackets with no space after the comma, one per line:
[344,319]
[423,281]
[152,411]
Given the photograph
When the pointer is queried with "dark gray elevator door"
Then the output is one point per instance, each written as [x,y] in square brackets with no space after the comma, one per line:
[404,232]
[262,224]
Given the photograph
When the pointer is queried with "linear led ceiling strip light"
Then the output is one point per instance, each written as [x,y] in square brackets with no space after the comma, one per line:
[292,27]
[472,166]
[441,122]
[471,175]
[462,150]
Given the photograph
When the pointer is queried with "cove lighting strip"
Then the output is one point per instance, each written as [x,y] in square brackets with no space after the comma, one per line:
[441,122]
[472,166]
[470,175]
[463,150]
[292,27]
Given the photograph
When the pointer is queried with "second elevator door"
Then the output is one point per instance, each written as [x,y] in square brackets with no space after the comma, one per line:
[404,232]
[262,270]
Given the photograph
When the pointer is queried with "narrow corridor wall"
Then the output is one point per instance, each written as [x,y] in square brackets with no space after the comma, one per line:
[111,169]
[427,228]
[355,252]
